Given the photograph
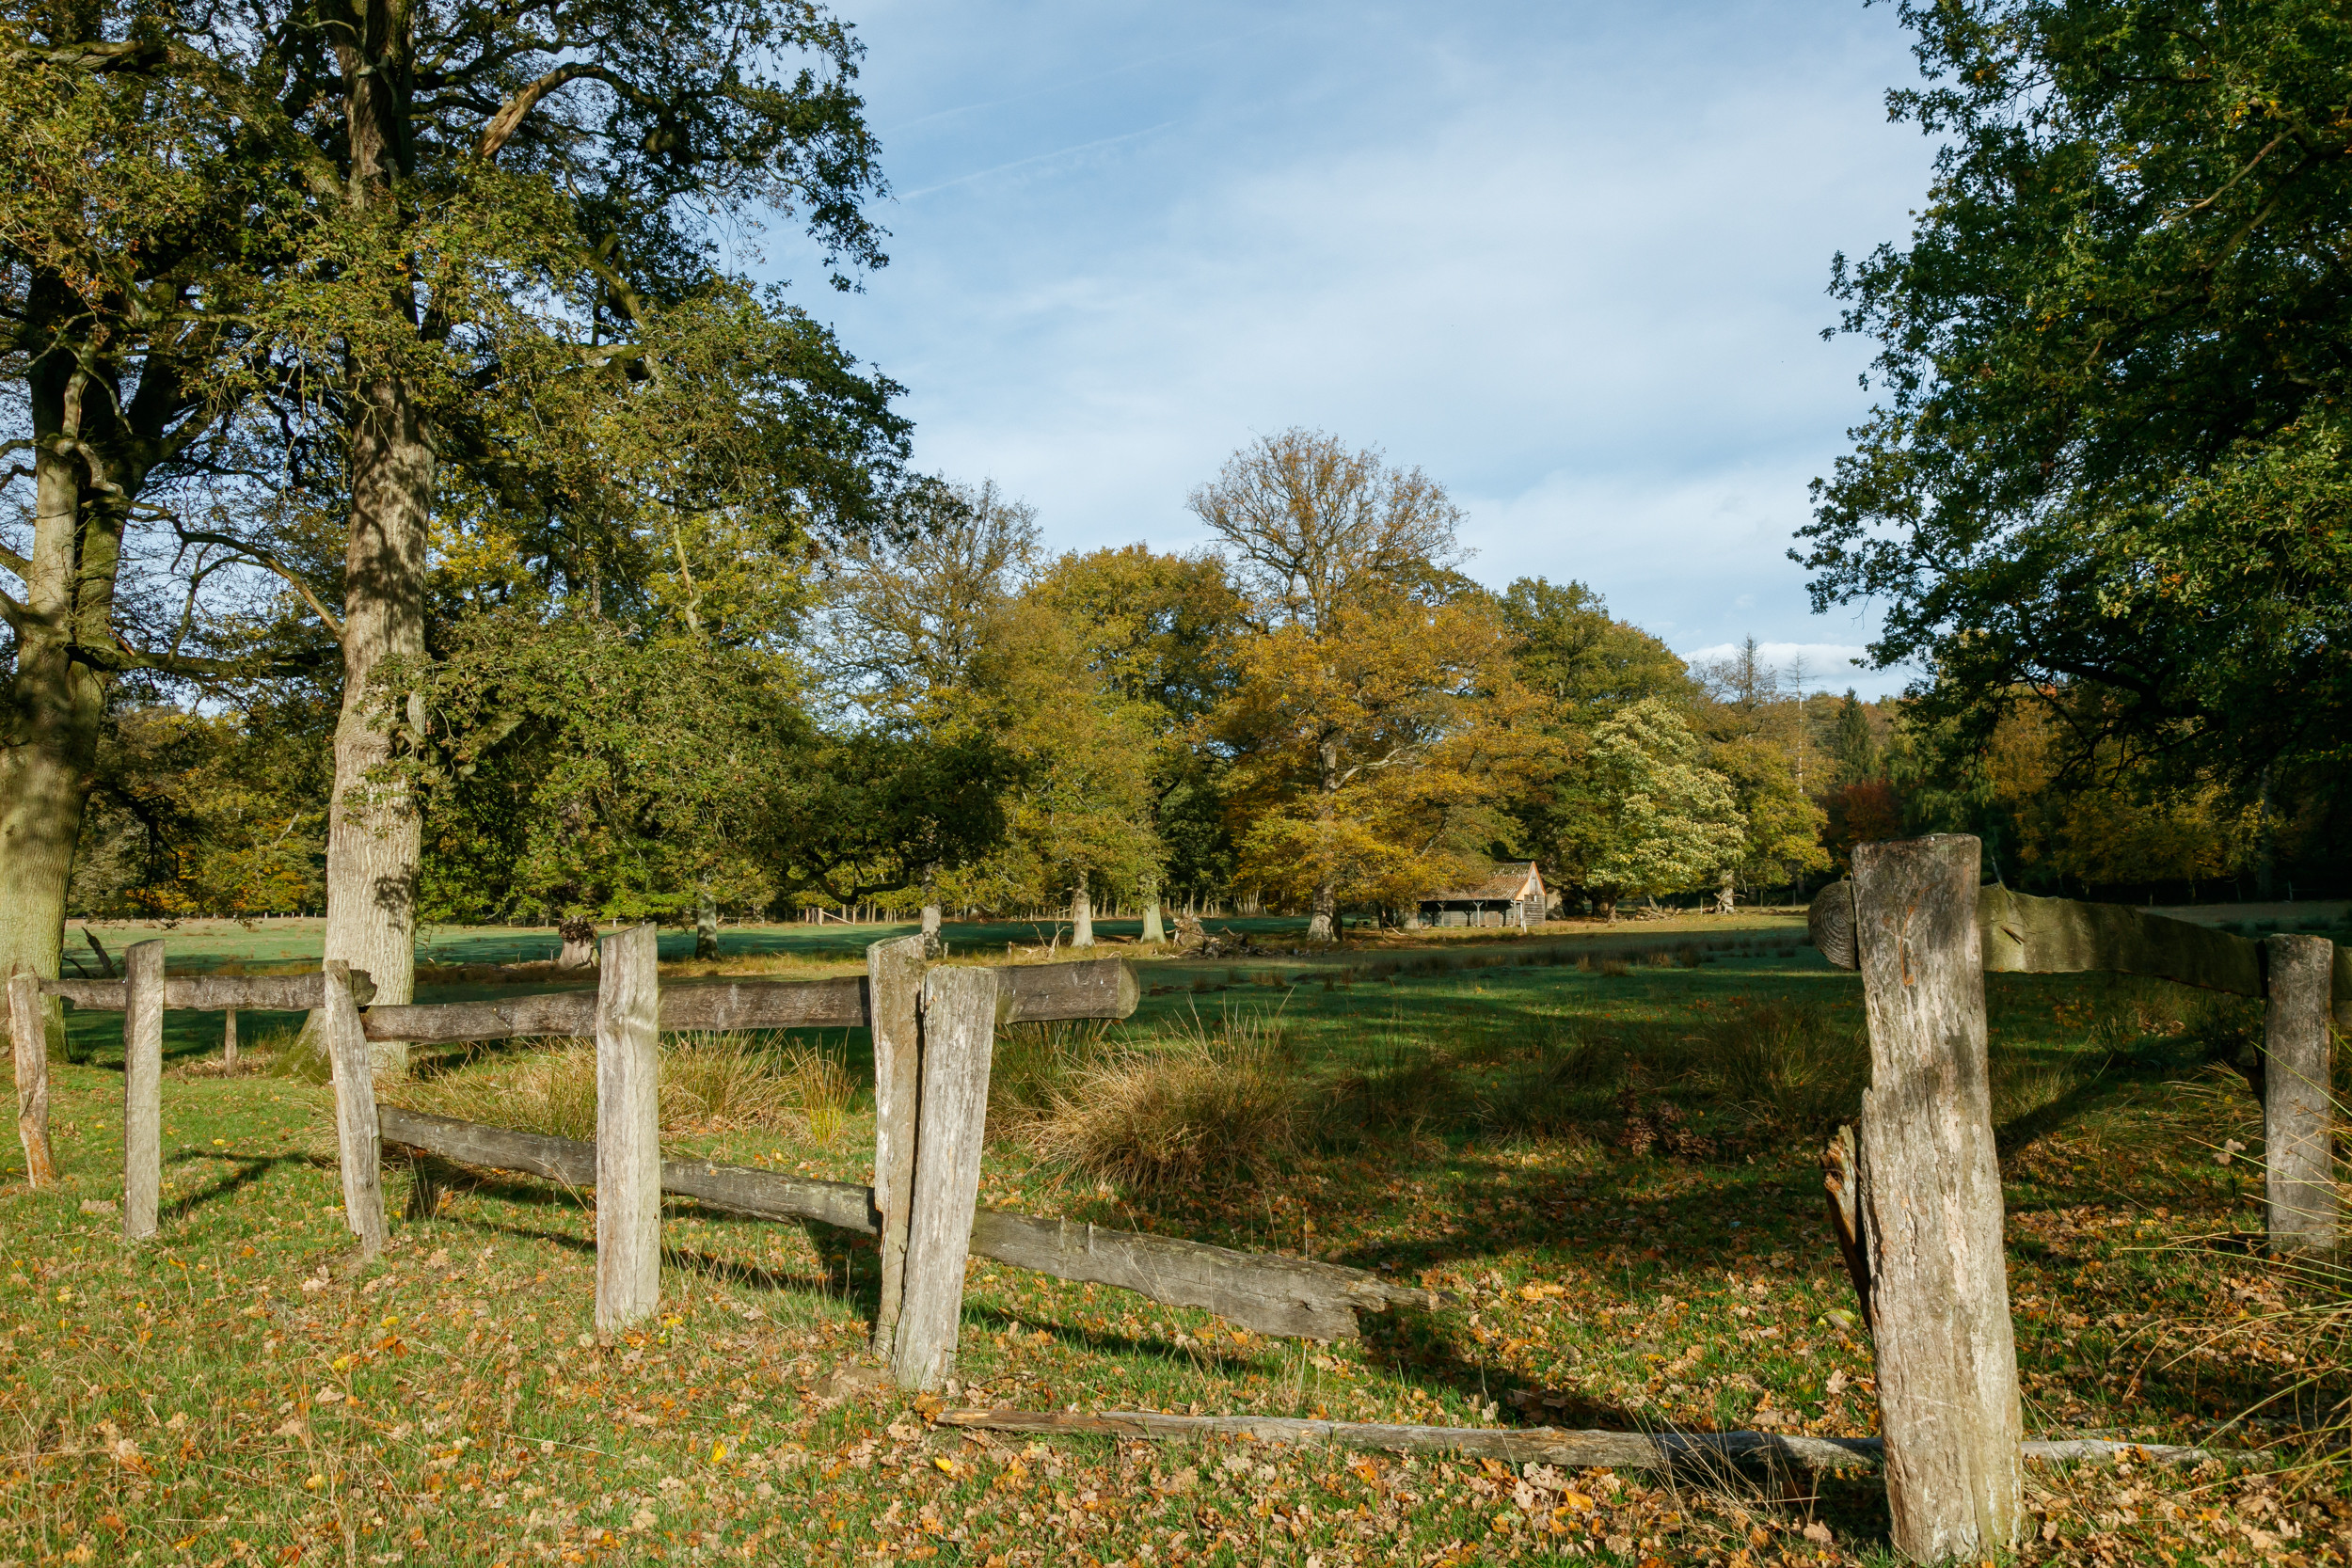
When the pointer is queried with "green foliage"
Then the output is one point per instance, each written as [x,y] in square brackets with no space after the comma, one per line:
[2108,470]
[1660,820]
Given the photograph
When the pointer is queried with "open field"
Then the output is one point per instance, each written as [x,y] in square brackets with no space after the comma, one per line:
[1612,1168]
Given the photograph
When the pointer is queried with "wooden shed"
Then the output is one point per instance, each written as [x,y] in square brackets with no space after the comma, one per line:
[1512,895]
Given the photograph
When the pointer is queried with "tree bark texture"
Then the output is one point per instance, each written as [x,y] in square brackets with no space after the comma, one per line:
[629,1131]
[2299,1110]
[1931,1191]
[56,704]
[894,986]
[142,1089]
[28,1043]
[959,1008]
[358,1135]
[1081,915]
[229,1039]
[373,833]
[1152,929]
[705,928]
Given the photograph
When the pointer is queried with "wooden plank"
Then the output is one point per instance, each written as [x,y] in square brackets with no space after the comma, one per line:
[357,1131]
[894,984]
[960,1018]
[28,1043]
[1102,987]
[2024,935]
[1931,1203]
[1554,1446]
[628,1130]
[2299,1111]
[1288,1297]
[142,1088]
[213,993]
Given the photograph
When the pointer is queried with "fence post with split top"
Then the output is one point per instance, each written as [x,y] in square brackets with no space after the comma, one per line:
[628,1130]
[1931,1206]
[358,1138]
[894,989]
[959,1008]
[142,1088]
[2298,1109]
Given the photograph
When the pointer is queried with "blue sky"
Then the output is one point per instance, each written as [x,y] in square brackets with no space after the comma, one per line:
[1569,260]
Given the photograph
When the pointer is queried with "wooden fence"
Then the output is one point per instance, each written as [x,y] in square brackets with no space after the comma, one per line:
[1916,1191]
[933,1029]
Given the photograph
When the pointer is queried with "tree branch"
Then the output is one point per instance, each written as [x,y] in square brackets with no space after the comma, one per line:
[510,116]
[262,557]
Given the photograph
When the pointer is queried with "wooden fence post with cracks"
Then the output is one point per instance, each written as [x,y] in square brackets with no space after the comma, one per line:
[959,1008]
[628,1130]
[893,981]
[142,1088]
[2299,1110]
[1930,1202]
[28,1042]
[359,1137]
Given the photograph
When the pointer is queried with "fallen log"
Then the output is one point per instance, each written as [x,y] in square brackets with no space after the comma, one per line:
[1554,1446]
[1099,988]
[214,994]
[1292,1297]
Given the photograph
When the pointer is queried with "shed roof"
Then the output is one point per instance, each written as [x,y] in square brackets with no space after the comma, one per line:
[1508,880]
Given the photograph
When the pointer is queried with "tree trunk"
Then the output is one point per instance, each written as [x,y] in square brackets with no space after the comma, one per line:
[374,835]
[579,944]
[930,907]
[1327,901]
[56,705]
[705,928]
[1081,915]
[1153,929]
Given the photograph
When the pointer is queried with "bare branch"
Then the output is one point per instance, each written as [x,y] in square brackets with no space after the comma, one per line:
[510,116]
[263,558]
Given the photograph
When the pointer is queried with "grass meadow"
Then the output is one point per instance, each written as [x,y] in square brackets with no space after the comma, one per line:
[1602,1142]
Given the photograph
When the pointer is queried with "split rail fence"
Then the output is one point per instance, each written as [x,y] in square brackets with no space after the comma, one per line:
[933,1030]
[1914,1188]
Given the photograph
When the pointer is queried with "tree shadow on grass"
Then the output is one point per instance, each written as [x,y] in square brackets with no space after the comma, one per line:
[251,1169]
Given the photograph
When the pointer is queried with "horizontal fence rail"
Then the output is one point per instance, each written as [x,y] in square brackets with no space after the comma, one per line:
[2025,935]
[213,993]
[1293,1297]
[1099,988]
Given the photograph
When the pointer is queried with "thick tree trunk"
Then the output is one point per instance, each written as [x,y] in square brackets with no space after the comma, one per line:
[1327,901]
[705,928]
[1153,929]
[56,705]
[930,907]
[373,833]
[1081,915]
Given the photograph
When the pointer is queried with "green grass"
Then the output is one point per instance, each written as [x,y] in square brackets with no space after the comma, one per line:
[443,1407]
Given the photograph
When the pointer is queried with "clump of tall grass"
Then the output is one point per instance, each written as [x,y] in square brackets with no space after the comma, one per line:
[709,1083]
[1789,1068]
[1212,1102]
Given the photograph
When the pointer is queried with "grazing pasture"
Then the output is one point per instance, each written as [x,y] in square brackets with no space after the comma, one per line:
[1602,1142]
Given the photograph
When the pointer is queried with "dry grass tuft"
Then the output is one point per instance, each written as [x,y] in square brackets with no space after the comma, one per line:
[1209,1106]
[709,1083]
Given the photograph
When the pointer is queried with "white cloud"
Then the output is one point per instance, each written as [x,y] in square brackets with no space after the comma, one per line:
[1569,260]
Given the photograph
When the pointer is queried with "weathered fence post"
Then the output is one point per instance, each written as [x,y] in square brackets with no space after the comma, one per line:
[893,990]
[2298,1109]
[142,1088]
[28,1041]
[1946,1358]
[959,1035]
[628,1129]
[229,1039]
[357,1134]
